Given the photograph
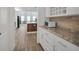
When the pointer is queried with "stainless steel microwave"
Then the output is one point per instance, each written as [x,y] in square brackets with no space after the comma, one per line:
[50,24]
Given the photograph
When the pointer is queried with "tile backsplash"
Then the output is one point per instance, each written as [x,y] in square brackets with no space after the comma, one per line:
[70,26]
[68,22]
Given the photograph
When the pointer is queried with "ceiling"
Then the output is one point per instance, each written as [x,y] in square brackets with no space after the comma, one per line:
[33,9]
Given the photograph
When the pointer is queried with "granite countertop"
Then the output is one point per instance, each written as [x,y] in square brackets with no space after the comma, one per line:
[65,34]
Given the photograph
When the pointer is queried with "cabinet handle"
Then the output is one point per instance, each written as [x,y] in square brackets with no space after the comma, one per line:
[0,33]
[62,44]
[47,41]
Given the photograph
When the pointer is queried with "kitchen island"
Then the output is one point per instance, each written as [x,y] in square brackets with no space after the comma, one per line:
[31,26]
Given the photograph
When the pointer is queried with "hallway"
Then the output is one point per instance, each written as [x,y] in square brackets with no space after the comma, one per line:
[26,41]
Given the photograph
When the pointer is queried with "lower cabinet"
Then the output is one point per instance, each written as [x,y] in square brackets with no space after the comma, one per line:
[51,42]
[45,39]
[63,45]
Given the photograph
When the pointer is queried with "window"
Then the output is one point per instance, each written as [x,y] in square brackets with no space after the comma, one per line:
[31,19]
[22,18]
[34,18]
[28,18]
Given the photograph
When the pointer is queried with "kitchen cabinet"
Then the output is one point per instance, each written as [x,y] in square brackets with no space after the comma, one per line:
[73,10]
[61,11]
[55,11]
[47,9]
[45,39]
[31,27]
[63,45]
[40,38]
[39,35]
[51,42]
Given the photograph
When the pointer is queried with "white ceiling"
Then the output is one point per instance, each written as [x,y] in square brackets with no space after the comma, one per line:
[33,9]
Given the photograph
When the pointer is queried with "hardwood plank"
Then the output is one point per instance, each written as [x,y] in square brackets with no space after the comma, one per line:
[26,41]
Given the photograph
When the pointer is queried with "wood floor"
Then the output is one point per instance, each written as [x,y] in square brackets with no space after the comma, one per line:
[26,41]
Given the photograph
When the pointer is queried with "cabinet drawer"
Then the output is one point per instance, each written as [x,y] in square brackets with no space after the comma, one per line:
[44,46]
[50,46]
[63,45]
[48,40]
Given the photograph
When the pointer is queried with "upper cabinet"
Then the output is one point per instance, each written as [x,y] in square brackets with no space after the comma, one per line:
[57,11]
[47,10]
[73,10]
[61,11]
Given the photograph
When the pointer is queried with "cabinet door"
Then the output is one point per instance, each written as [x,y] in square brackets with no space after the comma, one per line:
[47,11]
[62,45]
[49,39]
[57,11]
[38,35]
[29,27]
[4,28]
[34,27]
[73,10]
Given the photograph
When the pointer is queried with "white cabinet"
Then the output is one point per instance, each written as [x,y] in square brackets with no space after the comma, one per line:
[50,39]
[39,35]
[51,42]
[40,38]
[73,10]
[61,11]
[57,11]
[47,12]
[63,45]
[45,39]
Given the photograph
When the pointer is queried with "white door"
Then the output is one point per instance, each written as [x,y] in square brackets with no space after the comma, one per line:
[4,28]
